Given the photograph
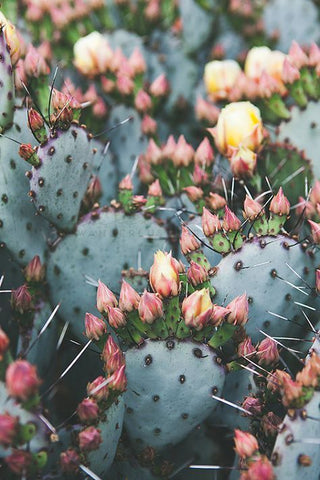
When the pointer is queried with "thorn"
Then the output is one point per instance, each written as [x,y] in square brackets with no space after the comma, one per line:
[225,189]
[91,281]
[291,350]
[51,91]
[47,423]
[62,335]
[123,122]
[309,322]
[299,276]
[134,167]
[43,329]
[1,280]
[212,467]
[89,472]
[293,175]
[222,400]
[306,306]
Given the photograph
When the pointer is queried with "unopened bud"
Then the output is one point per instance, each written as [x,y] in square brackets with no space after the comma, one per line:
[22,380]
[239,310]
[160,86]
[290,73]
[95,327]
[89,439]
[8,429]
[143,101]
[315,231]
[197,274]
[164,275]
[126,183]
[200,176]
[194,193]
[150,307]
[105,298]
[267,352]
[98,389]
[155,189]
[231,222]
[215,202]
[137,62]
[118,380]
[246,348]
[148,125]
[253,405]
[4,343]
[188,242]
[197,309]
[252,209]
[245,444]
[297,56]
[35,271]
[243,162]
[210,223]
[19,461]
[129,298]
[69,461]
[88,410]
[28,153]
[116,317]
[280,204]
[204,154]
[21,300]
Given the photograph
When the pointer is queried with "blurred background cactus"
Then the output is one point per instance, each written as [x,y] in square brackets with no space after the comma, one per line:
[159,239]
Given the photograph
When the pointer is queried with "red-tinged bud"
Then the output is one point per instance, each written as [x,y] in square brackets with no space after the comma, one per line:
[245,444]
[89,439]
[137,62]
[267,353]
[107,85]
[150,307]
[194,193]
[19,461]
[153,153]
[305,208]
[145,173]
[152,12]
[105,298]
[169,148]
[252,209]
[309,375]
[239,310]
[94,191]
[183,153]
[148,125]
[270,423]
[204,154]
[275,380]
[267,85]
[200,176]
[21,300]
[96,390]
[95,327]
[4,343]
[138,201]
[219,314]
[243,162]
[314,55]
[129,298]
[215,201]
[253,405]
[231,222]
[155,189]
[210,223]
[126,69]
[35,271]
[315,231]
[8,429]
[164,275]
[100,108]
[188,242]
[197,274]
[69,461]
[160,86]
[45,50]
[88,410]
[291,391]
[124,84]
[246,348]
[317,281]
[34,64]
[116,317]
[35,120]
[280,204]
[20,76]
[126,183]
[297,56]
[22,380]
[207,112]
[109,349]
[260,469]
[290,73]
[143,101]
[114,362]
[315,193]
[28,153]
[197,309]
[118,380]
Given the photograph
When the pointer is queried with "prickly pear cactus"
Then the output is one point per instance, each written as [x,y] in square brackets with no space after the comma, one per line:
[7,85]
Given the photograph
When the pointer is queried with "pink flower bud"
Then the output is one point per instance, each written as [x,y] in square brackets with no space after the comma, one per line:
[155,189]
[118,380]
[207,112]
[8,429]
[35,120]
[137,62]
[13,39]
[280,204]
[194,193]
[153,153]
[107,85]
[305,208]
[19,461]
[105,298]
[197,274]
[34,271]
[100,108]
[315,193]
[297,56]
[4,343]
[169,148]
[126,183]
[26,151]
[152,11]
[183,153]
[150,307]
[230,221]
[143,101]
[145,174]
[69,461]
[309,375]
[125,84]
[253,405]
[88,410]
[160,86]
[243,162]
[197,309]
[252,209]
[314,55]
[210,223]
[291,391]
[21,380]
[164,275]
[188,242]
[21,299]
[114,362]
[290,74]
[200,176]
[116,317]
[148,125]
[315,231]
[126,69]
[267,352]
[260,469]
[95,327]
[267,85]
[97,391]
[245,444]
[89,439]
[317,282]
[246,348]
[204,154]
[45,50]
[109,349]
[218,315]
[239,310]
[129,298]
[34,64]
[93,192]
[215,201]
[138,201]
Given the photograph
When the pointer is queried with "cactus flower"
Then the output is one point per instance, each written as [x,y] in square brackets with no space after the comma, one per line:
[245,444]
[88,410]
[150,307]
[129,299]
[89,439]
[92,54]
[164,275]
[239,309]
[22,380]
[12,39]
[280,205]
[95,327]
[243,162]
[263,60]
[105,298]
[8,429]
[197,309]
[220,77]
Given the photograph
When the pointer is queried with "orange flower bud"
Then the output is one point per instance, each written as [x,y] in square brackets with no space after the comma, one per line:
[197,309]
[164,275]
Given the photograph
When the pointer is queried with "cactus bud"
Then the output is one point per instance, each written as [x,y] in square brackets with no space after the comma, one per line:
[116,317]
[268,352]
[69,461]
[143,101]
[12,39]
[148,125]
[253,405]
[243,162]
[239,309]
[315,231]
[98,392]
[105,298]
[126,183]
[200,176]
[155,189]
[194,193]
[164,275]
[245,444]
[246,348]
[291,391]
[118,380]
[150,307]
[4,343]
[314,55]
[260,469]
[137,62]
[252,209]
[297,56]
[204,154]
[210,223]
[153,153]
[197,309]
[19,461]
[114,362]
[183,153]
[34,64]
[215,201]
[218,315]
[89,439]
[129,298]
[207,112]
[109,349]
[124,84]
[309,375]
[317,282]
[21,300]
[280,205]
[34,271]
[95,327]
[28,153]
[35,120]
[21,380]
[230,222]
[188,242]
[270,423]
[93,192]
[290,73]
[8,429]
[197,274]
[160,86]
[88,410]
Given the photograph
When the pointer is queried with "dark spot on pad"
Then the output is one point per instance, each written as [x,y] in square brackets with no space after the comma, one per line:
[75,194]
[238,266]
[59,192]
[157,431]
[155,398]
[170,344]
[129,410]
[273,273]
[4,198]
[266,323]
[12,164]
[85,166]
[185,416]
[214,390]
[56,270]
[148,360]
[197,352]
[51,151]
[68,159]
[85,251]
[182,378]
[74,133]
[22,253]
[115,232]
[1,223]
[41,182]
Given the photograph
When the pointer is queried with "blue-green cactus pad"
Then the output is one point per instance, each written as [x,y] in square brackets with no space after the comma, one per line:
[6,85]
